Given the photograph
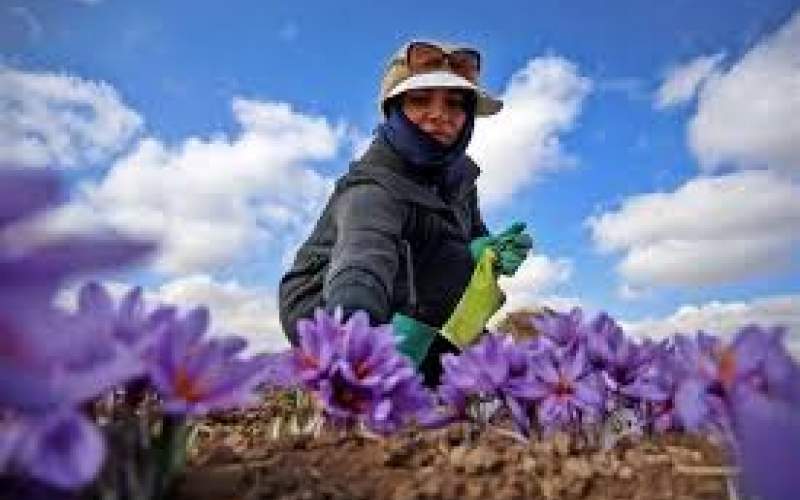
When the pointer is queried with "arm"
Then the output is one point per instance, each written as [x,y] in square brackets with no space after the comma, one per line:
[478,227]
[365,256]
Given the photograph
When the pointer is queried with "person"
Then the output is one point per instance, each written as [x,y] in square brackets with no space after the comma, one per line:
[402,230]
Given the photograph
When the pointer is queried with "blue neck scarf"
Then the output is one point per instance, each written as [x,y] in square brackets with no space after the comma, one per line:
[445,165]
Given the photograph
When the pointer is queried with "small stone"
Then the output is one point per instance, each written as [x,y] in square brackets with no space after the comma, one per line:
[481,460]
[625,473]
[475,490]
[545,448]
[577,467]
[528,464]
[561,442]
[457,456]
[632,456]
[656,459]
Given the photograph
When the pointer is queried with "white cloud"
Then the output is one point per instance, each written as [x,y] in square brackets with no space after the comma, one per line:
[49,119]
[208,200]
[711,230]
[724,318]
[359,142]
[629,292]
[541,101]
[681,82]
[249,312]
[534,283]
[749,116]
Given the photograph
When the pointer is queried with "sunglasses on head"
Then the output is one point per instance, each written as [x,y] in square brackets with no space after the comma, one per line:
[422,57]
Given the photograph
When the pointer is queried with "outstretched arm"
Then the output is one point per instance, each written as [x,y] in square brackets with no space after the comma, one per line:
[365,256]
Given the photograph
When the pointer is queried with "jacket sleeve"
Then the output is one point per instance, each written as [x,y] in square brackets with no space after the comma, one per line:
[365,255]
[478,227]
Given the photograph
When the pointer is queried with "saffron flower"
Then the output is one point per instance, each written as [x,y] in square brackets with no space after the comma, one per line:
[494,369]
[63,449]
[321,342]
[768,439]
[48,363]
[195,375]
[563,330]
[654,386]
[567,389]
[713,372]
[357,373]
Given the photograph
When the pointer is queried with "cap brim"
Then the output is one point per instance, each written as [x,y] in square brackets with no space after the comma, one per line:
[487,105]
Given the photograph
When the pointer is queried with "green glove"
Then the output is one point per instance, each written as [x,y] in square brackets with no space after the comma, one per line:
[480,301]
[511,246]
[478,245]
[414,338]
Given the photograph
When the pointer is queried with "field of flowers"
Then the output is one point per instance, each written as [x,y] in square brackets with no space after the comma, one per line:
[124,399]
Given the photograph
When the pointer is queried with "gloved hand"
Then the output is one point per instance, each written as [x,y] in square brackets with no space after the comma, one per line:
[511,247]
[481,299]
[478,245]
[414,338]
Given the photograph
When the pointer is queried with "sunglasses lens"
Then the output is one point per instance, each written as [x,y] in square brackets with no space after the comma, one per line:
[465,63]
[424,57]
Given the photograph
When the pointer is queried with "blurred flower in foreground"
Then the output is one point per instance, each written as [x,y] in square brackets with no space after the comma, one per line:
[768,437]
[48,363]
[357,373]
[713,373]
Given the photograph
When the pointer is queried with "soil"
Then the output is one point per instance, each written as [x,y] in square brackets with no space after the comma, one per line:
[236,457]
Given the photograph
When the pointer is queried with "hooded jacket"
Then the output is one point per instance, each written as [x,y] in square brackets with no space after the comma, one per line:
[390,239]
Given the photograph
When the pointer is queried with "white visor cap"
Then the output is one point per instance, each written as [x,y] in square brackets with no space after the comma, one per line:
[487,105]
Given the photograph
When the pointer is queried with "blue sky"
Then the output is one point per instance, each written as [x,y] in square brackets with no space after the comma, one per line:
[650,146]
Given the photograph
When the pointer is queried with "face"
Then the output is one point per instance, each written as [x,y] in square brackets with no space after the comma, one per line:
[439,112]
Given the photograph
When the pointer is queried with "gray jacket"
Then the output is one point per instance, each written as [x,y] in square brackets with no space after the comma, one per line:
[386,242]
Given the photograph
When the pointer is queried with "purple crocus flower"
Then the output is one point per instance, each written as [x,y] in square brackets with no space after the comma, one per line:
[653,388]
[617,357]
[768,441]
[567,390]
[357,373]
[63,449]
[321,340]
[48,363]
[564,330]
[194,375]
[129,321]
[495,369]
[713,372]
[37,343]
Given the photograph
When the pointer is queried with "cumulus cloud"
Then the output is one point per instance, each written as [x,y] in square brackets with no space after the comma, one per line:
[49,119]
[724,318]
[542,100]
[681,82]
[250,312]
[749,116]
[534,285]
[711,230]
[208,200]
